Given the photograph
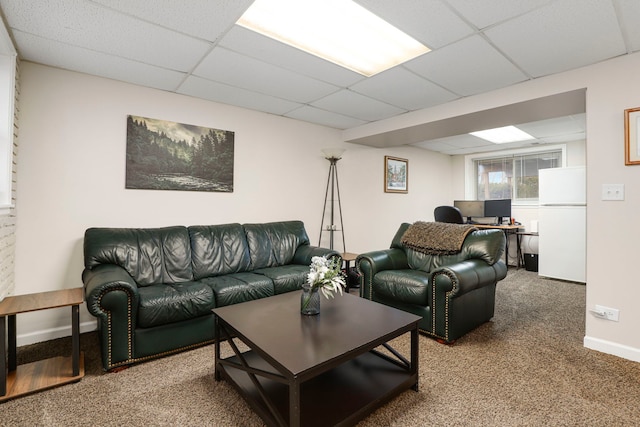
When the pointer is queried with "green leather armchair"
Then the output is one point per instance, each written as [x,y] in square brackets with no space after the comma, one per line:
[452,293]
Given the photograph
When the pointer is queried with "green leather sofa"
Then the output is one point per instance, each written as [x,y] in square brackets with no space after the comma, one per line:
[152,289]
[452,293]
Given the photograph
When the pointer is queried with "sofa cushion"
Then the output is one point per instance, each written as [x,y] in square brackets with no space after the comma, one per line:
[286,278]
[167,303]
[218,249]
[274,244]
[150,255]
[239,287]
[407,286]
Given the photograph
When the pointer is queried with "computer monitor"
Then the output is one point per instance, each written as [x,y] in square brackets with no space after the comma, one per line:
[470,208]
[500,208]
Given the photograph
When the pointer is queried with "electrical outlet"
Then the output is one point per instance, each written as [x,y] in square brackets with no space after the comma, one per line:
[608,313]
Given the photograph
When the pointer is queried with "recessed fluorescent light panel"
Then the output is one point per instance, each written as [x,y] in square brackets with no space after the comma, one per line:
[503,135]
[339,31]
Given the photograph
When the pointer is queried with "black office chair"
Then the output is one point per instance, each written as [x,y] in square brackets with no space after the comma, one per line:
[449,214]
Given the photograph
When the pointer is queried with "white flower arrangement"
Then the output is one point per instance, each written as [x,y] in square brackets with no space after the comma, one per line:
[326,274]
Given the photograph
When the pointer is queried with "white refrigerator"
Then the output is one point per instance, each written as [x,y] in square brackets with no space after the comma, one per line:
[562,223]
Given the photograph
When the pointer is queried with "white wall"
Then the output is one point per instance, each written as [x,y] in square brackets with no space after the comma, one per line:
[71,172]
[612,254]
[612,279]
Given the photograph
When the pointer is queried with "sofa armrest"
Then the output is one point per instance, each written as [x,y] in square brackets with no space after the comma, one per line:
[103,279]
[370,263]
[304,253]
[112,296]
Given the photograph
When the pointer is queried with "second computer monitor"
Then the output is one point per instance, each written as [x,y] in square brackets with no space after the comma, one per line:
[500,208]
[470,208]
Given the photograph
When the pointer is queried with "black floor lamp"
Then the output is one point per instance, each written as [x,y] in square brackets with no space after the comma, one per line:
[333,190]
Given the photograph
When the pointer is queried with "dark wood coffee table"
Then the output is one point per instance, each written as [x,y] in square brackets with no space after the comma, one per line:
[331,369]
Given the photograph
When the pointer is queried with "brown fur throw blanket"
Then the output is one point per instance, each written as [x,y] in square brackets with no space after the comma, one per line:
[436,238]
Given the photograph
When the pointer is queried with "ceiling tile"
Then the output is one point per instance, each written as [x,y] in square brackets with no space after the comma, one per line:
[459,151]
[204,19]
[428,21]
[72,58]
[555,139]
[629,16]
[355,105]
[459,145]
[545,41]
[434,145]
[403,89]
[558,126]
[233,69]
[458,141]
[467,67]
[322,117]
[91,26]
[486,148]
[483,13]
[247,42]
[467,141]
[218,92]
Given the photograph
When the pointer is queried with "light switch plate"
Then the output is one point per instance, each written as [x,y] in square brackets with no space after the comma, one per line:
[612,191]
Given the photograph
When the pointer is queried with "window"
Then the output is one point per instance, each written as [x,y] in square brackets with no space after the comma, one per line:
[7,98]
[512,175]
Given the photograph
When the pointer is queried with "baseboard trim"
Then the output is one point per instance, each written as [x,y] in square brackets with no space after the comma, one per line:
[597,344]
[53,333]
[612,348]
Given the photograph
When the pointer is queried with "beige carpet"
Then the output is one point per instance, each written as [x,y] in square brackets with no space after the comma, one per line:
[527,367]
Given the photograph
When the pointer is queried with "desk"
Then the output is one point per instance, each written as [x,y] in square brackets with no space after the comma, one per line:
[42,374]
[508,229]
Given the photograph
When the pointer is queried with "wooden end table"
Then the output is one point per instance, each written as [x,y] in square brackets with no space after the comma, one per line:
[43,374]
[347,257]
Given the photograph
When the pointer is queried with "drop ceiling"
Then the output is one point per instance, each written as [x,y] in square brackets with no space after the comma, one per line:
[196,49]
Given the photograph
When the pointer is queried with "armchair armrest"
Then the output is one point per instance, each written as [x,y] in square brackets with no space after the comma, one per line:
[112,296]
[304,254]
[370,263]
[452,281]
[465,276]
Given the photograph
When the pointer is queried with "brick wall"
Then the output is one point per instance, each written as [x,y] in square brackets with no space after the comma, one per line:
[8,220]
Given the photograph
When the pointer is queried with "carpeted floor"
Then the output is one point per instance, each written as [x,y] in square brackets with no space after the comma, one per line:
[527,367]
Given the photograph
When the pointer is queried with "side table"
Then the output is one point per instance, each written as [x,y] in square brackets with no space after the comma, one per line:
[347,257]
[30,377]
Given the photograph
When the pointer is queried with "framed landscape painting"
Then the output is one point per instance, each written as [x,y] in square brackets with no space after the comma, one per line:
[632,136]
[165,155]
[396,175]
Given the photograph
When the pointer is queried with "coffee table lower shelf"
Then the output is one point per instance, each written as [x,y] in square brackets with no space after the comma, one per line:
[341,396]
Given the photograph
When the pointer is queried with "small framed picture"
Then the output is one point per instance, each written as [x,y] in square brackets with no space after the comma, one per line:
[631,136]
[396,175]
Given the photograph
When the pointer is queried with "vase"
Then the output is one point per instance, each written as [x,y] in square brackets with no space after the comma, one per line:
[309,300]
